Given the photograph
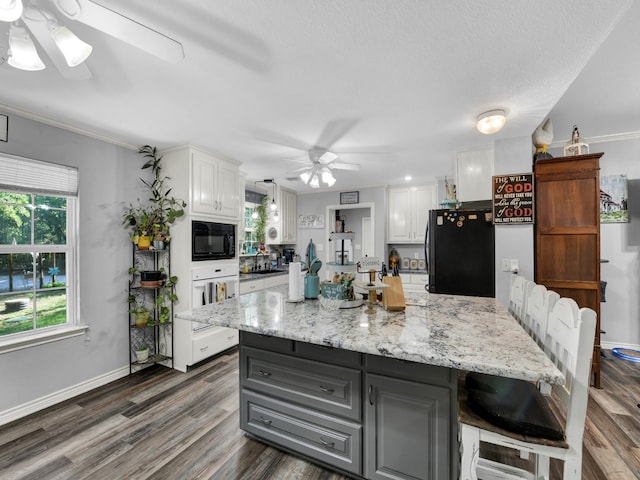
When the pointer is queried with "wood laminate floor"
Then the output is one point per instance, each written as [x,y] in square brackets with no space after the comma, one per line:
[162,424]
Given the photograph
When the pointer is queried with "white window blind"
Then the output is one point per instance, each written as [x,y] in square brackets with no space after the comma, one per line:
[19,174]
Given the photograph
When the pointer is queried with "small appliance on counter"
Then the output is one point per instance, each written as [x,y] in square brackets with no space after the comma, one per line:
[288,254]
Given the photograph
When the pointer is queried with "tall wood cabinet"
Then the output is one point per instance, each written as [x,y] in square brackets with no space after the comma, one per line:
[567,233]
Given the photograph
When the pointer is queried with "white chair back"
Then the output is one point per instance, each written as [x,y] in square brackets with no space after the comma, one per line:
[540,302]
[569,344]
[518,292]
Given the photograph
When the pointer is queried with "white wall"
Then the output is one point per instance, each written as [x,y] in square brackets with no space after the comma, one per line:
[620,244]
[513,155]
[316,203]
[108,176]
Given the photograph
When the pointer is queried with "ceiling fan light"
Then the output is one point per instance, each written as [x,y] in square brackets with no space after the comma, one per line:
[305,176]
[23,52]
[10,10]
[75,51]
[327,177]
[491,121]
[314,182]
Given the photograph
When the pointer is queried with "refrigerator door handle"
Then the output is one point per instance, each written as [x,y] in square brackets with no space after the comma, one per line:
[426,250]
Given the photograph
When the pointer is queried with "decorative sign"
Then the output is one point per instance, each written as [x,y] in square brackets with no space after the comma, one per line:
[311,221]
[349,197]
[370,263]
[513,199]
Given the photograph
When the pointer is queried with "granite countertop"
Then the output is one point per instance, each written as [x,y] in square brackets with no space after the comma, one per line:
[467,333]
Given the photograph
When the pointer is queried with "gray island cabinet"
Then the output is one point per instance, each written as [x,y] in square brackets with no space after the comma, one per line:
[370,395]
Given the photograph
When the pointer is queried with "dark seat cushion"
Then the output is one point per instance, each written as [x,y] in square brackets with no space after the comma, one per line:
[516,406]
[490,383]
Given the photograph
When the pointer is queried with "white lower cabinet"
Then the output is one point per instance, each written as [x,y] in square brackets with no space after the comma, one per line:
[371,416]
[414,282]
[262,283]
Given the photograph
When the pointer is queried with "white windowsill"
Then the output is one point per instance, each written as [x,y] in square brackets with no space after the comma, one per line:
[39,338]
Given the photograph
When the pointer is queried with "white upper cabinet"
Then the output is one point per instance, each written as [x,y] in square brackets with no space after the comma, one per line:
[211,184]
[474,169]
[214,186]
[408,211]
[283,231]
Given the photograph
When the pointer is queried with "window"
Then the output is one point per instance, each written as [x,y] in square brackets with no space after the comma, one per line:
[37,246]
[250,244]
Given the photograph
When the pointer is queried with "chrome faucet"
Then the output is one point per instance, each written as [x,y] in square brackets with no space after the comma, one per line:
[255,265]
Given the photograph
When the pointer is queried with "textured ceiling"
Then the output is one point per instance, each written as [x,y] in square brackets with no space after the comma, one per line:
[394,86]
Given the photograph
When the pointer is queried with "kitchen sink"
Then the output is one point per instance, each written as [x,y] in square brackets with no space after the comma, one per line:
[265,272]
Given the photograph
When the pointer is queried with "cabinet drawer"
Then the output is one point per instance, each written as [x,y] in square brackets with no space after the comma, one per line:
[418,372]
[330,388]
[213,342]
[321,437]
[276,280]
[251,286]
[274,344]
[328,354]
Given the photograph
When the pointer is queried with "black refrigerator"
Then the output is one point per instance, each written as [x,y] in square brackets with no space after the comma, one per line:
[460,251]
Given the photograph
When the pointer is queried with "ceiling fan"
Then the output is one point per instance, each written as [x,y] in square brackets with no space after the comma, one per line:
[322,162]
[321,155]
[42,20]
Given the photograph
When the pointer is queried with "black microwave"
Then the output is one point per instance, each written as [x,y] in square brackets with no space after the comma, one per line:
[212,241]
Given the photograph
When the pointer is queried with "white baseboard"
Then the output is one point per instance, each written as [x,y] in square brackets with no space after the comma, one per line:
[610,345]
[65,394]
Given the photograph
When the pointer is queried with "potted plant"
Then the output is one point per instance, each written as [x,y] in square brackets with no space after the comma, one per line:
[151,221]
[142,353]
[142,315]
[165,297]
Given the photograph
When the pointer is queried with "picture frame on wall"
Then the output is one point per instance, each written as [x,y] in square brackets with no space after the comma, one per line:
[349,198]
[4,128]
[614,199]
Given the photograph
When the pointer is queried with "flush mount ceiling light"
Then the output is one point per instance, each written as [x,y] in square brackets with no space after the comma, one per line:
[491,121]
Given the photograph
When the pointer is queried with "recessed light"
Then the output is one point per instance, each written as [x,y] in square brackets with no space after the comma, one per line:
[407,178]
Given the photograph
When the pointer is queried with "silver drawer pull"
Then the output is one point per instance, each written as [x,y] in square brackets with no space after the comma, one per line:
[263,373]
[327,444]
[204,348]
[328,391]
[266,421]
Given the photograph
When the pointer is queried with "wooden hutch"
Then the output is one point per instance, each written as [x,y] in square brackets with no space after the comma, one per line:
[567,233]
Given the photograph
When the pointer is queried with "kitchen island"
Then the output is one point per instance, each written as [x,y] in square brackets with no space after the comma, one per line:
[372,395]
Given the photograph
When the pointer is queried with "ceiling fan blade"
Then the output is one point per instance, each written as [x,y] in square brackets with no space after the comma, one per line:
[334,131]
[37,25]
[126,29]
[344,166]
[280,139]
[327,157]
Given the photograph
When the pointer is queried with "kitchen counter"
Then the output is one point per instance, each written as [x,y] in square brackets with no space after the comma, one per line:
[459,332]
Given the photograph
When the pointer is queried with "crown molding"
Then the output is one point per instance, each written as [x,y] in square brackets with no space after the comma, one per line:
[615,137]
